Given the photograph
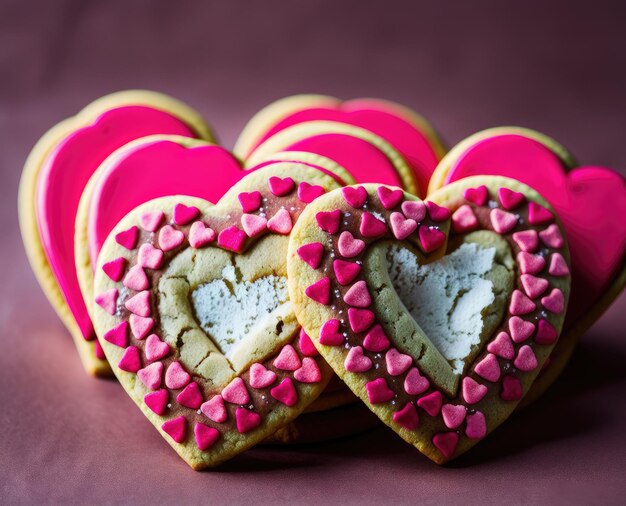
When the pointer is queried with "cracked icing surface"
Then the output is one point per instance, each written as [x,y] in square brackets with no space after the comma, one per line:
[446,298]
[228,309]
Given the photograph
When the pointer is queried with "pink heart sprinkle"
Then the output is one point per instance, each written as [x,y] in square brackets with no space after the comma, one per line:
[205,436]
[214,409]
[280,223]
[360,319]
[128,238]
[558,265]
[502,346]
[99,351]
[348,246]
[520,304]
[253,224]
[157,401]
[414,209]
[510,199]
[533,286]
[246,420]
[555,302]
[436,212]
[526,360]
[389,198]
[529,263]
[280,186]
[151,375]
[546,333]
[477,195]
[476,426]
[319,291]
[149,256]
[250,202]
[176,428]
[464,220]
[232,239]
[190,397]
[118,335]
[446,443]
[354,196]
[376,340]
[407,417]
[402,227]
[115,268]
[371,226]
[311,253]
[308,193]
[307,348]
[538,215]
[236,392]
[139,304]
[155,348]
[107,300]
[136,279]
[170,238]
[345,271]
[330,335]
[415,383]
[489,367]
[140,326]
[431,403]
[358,295]
[519,329]
[176,377]
[287,359]
[285,392]
[356,361]
[511,388]
[150,220]
[260,377]
[527,240]
[378,391]
[453,415]
[502,221]
[552,237]
[473,391]
[131,360]
[329,221]
[431,238]
[184,214]
[309,372]
[200,235]
[397,362]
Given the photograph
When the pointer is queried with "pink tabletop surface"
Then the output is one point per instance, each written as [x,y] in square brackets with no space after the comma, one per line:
[70,439]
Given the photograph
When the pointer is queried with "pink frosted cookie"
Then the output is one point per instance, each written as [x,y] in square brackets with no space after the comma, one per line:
[317,124]
[54,177]
[591,202]
[438,314]
[194,314]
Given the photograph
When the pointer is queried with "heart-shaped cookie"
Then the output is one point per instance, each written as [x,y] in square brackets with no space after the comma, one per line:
[365,155]
[438,314]
[404,129]
[193,314]
[53,179]
[591,202]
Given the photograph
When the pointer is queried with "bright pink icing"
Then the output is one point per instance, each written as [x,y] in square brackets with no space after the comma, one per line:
[363,160]
[63,177]
[379,118]
[590,201]
[164,168]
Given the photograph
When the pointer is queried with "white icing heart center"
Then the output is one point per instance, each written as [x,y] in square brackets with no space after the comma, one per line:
[446,298]
[229,309]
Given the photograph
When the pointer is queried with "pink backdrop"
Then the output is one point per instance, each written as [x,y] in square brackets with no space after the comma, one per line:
[66,438]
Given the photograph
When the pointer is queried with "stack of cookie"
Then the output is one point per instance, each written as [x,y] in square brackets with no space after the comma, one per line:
[337,260]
